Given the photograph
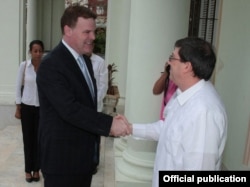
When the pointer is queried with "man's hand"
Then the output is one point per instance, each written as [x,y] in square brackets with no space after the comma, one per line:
[120,126]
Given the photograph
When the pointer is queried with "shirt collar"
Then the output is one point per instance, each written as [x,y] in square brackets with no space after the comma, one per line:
[28,62]
[71,50]
[183,97]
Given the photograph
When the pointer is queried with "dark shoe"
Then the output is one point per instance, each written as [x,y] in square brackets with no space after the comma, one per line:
[36,176]
[29,180]
[28,177]
[94,171]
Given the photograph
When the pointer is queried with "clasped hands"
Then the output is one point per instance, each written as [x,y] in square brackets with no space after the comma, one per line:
[120,126]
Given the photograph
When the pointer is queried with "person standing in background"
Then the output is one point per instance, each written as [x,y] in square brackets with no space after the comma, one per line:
[69,121]
[193,134]
[166,86]
[27,108]
[101,76]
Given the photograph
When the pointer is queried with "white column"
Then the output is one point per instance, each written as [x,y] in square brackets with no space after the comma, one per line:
[120,144]
[31,23]
[135,165]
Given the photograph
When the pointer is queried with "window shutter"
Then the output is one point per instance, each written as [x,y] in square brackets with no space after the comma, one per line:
[202,19]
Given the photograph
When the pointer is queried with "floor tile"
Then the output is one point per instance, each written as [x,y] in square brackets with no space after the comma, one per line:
[12,161]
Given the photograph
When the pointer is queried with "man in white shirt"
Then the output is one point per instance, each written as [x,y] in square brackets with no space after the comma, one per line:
[101,75]
[194,132]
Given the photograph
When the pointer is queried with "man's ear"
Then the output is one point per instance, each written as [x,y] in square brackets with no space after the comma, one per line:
[188,67]
[67,30]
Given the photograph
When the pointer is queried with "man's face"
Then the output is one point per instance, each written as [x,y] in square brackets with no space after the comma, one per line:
[83,35]
[176,66]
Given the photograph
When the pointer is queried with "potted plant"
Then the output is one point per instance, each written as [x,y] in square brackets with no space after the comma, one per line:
[111,99]
[100,41]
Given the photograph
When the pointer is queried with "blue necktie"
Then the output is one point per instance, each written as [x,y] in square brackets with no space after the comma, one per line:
[86,74]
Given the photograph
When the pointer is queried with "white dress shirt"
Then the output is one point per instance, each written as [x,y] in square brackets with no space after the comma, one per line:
[101,75]
[194,132]
[30,93]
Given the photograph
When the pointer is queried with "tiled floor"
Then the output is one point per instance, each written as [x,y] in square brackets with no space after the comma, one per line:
[12,158]
[12,161]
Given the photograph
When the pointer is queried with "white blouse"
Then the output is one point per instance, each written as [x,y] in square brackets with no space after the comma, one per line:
[30,93]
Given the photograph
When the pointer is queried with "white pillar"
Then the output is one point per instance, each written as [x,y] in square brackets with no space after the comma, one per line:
[31,23]
[135,165]
[120,145]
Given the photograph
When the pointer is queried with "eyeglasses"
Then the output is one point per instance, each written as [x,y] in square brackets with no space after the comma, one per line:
[171,58]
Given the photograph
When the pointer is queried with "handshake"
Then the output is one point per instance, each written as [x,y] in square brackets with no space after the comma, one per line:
[120,126]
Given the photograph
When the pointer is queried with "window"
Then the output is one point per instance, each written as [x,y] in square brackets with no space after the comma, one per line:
[203,19]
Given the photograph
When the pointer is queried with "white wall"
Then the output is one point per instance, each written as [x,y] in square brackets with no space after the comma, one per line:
[11,53]
[232,78]
[11,48]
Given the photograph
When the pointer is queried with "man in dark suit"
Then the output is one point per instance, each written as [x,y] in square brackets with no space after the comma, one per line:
[69,121]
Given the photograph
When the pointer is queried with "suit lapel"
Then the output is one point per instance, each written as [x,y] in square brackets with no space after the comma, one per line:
[74,67]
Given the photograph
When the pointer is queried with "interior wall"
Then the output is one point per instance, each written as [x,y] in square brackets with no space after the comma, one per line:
[232,78]
[11,54]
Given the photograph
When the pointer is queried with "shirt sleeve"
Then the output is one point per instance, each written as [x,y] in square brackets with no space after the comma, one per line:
[148,131]
[103,84]
[19,82]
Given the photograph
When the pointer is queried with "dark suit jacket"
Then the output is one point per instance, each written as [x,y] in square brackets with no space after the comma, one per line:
[69,121]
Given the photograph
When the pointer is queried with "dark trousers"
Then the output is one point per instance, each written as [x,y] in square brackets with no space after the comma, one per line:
[30,121]
[97,151]
[67,181]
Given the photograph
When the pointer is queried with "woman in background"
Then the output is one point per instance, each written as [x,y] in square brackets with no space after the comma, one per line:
[166,86]
[27,108]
